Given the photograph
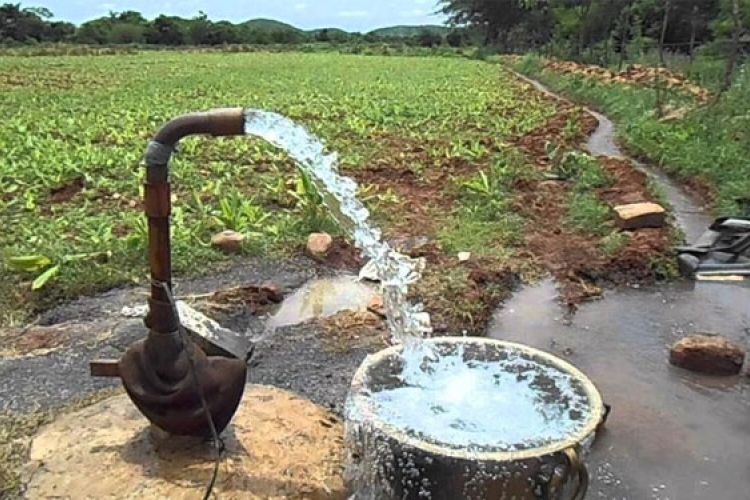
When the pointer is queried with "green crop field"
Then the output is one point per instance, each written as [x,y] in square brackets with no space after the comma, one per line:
[74,130]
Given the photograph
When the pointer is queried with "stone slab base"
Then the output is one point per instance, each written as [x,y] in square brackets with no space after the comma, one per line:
[279,446]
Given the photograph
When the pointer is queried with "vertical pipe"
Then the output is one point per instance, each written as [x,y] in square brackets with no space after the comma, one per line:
[158,209]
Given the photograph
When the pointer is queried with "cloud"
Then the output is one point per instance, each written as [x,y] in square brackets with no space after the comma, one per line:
[353,13]
[299,7]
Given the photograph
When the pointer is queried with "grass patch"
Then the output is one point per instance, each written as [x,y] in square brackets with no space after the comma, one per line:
[484,222]
[586,213]
[17,429]
[457,303]
[613,243]
[711,143]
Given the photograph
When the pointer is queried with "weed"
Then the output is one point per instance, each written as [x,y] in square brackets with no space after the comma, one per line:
[613,243]
[588,214]
[91,117]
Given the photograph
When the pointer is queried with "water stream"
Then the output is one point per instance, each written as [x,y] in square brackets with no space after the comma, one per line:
[406,320]
[672,434]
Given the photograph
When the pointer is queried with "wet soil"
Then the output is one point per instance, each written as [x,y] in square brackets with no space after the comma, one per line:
[49,365]
[574,258]
[672,434]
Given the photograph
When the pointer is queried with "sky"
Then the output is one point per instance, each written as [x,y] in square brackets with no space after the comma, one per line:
[351,15]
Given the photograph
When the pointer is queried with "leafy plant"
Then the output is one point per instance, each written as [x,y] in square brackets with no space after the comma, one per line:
[588,214]
[45,269]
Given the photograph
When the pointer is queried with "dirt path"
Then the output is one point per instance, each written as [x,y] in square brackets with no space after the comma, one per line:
[672,434]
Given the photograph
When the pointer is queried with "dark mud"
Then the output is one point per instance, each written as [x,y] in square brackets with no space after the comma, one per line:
[293,357]
[671,434]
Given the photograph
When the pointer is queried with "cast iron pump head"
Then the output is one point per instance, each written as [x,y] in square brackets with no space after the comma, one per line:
[167,376]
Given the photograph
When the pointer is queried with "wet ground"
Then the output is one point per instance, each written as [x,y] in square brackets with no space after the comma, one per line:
[671,434]
[293,357]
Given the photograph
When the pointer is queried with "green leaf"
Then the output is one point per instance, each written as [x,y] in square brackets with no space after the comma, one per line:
[45,277]
[28,263]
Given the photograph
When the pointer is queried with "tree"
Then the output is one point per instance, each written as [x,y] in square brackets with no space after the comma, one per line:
[735,49]
[429,38]
[495,17]
[22,25]
[456,38]
[166,30]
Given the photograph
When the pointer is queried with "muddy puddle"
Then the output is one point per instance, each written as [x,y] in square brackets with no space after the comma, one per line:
[672,434]
[323,297]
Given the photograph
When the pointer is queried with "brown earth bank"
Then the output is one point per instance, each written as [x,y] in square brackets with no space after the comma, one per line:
[633,74]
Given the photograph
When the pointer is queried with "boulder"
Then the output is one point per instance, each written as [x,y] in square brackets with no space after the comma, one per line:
[709,354]
[640,215]
[228,241]
[319,244]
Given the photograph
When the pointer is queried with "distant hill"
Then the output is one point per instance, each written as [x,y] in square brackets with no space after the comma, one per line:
[331,31]
[269,25]
[409,31]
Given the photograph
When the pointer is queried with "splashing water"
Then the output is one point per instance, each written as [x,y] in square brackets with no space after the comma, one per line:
[396,271]
[425,421]
[446,398]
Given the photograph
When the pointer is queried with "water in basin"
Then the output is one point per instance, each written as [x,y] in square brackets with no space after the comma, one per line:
[509,403]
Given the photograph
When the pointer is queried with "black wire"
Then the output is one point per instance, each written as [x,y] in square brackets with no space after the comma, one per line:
[218,444]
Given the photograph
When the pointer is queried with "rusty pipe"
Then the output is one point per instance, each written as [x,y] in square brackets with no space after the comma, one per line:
[217,123]
[173,383]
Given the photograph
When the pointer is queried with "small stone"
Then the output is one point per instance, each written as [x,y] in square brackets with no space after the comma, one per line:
[376,306]
[710,354]
[319,244]
[640,215]
[464,256]
[227,241]
[133,204]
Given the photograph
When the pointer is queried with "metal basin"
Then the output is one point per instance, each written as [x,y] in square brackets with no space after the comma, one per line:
[469,418]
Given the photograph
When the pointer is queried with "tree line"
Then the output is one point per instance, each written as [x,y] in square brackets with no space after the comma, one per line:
[23,25]
[573,27]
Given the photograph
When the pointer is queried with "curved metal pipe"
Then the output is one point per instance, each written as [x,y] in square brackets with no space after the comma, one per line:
[173,383]
[216,122]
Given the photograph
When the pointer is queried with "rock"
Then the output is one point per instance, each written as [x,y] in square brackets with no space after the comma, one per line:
[227,241]
[376,306]
[640,215]
[464,256]
[279,445]
[710,354]
[319,244]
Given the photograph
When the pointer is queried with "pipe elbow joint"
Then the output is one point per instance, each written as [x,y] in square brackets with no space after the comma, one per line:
[216,122]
